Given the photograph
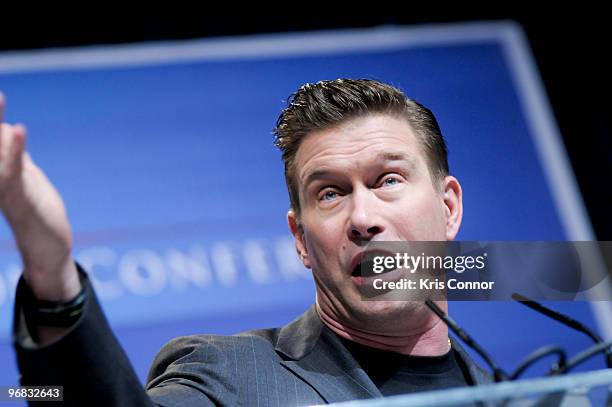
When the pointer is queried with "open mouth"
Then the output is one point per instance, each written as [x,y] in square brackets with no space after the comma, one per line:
[368,267]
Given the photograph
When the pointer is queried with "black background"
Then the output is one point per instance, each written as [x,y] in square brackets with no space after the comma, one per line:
[571,45]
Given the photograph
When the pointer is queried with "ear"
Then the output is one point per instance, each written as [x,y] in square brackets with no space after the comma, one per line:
[453,206]
[298,237]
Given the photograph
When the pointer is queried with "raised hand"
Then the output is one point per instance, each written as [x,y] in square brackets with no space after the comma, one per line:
[37,216]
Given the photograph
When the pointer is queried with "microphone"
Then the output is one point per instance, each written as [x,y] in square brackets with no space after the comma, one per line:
[585,355]
[567,321]
[498,374]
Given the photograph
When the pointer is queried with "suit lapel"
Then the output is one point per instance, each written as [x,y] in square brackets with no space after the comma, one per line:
[320,359]
[474,374]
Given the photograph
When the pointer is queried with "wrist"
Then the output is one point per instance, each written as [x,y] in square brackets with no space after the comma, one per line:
[60,284]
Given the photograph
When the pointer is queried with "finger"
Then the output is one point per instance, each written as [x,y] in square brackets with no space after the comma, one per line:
[1,109]
[6,133]
[17,147]
[12,144]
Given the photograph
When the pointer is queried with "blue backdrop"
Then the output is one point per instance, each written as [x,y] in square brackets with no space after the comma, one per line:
[163,154]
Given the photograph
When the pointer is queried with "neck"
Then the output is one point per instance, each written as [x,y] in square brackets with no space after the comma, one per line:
[430,340]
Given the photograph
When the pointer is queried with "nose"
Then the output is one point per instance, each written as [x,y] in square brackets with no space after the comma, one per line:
[365,218]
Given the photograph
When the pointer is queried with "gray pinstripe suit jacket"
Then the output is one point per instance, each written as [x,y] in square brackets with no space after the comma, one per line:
[302,363]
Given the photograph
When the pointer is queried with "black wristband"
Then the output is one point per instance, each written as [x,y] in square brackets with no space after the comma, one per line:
[61,314]
[54,313]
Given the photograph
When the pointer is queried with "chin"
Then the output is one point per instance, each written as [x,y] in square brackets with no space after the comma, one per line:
[376,314]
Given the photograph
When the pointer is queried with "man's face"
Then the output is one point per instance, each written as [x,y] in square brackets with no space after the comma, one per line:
[365,180]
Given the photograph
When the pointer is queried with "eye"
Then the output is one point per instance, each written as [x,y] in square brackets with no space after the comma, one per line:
[389,181]
[328,195]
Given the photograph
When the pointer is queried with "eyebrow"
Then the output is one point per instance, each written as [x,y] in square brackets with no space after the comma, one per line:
[384,157]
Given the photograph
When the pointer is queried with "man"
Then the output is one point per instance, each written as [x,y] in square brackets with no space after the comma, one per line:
[363,163]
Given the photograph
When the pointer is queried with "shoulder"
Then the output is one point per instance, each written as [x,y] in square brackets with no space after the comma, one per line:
[213,349]
[197,343]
